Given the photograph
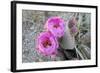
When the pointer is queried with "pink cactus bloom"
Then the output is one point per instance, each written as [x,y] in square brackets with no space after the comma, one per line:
[47,44]
[56,26]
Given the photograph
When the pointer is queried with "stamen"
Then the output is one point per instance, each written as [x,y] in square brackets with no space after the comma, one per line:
[56,26]
[46,43]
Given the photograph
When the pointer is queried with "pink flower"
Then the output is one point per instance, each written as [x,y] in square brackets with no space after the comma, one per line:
[56,26]
[47,43]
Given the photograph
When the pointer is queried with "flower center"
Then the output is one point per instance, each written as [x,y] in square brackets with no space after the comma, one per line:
[56,26]
[46,43]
